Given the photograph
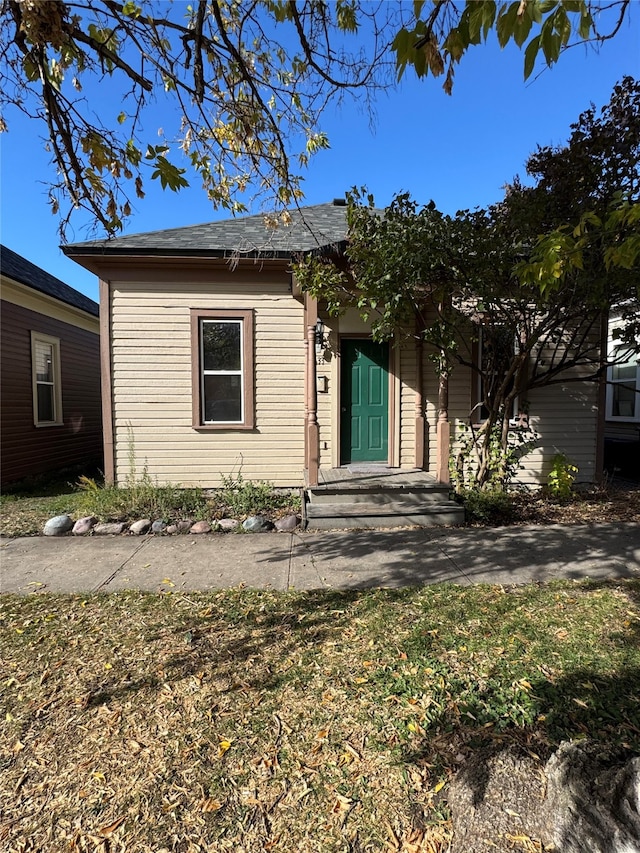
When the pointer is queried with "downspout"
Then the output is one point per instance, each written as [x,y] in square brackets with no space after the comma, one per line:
[602,399]
[106,382]
[420,425]
[312,431]
[443,427]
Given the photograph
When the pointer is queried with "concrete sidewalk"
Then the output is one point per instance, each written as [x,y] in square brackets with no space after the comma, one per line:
[341,560]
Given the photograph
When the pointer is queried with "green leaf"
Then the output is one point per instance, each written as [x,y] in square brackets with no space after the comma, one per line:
[488,17]
[530,56]
[30,68]
[522,29]
[170,175]
[586,23]
[122,117]
[551,44]
[506,24]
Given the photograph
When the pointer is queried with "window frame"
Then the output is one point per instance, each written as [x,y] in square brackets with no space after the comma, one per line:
[246,319]
[613,345]
[56,384]
[477,396]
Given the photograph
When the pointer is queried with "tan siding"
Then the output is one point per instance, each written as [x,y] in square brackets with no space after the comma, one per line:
[152,383]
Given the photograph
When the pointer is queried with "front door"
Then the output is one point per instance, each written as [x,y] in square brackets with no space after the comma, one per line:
[364,404]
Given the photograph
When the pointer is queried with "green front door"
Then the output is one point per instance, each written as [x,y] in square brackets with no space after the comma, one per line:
[364,403]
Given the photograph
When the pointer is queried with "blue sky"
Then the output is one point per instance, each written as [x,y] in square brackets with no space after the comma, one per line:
[458,150]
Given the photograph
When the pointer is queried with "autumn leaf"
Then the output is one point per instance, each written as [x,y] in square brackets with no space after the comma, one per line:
[111,828]
[210,804]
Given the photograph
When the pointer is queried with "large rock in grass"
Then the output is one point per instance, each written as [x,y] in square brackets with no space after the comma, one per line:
[227,524]
[58,525]
[586,798]
[287,524]
[257,524]
[84,525]
[110,528]
[140,527]
[201,527]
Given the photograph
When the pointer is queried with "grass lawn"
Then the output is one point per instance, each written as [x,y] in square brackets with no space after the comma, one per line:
[321,721]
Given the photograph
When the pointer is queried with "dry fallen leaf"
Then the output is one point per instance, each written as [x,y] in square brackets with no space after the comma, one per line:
[111,828]
[209,804]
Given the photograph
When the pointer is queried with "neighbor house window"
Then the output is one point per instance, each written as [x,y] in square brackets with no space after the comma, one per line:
[45,378]
[222,346]
[623,385]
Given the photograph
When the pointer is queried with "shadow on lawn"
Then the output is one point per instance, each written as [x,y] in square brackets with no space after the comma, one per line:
[256,646]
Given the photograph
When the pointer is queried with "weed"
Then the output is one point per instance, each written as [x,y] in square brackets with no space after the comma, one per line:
[240,497]
[561,477]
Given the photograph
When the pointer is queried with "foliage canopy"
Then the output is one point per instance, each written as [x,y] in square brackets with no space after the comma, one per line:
[246,81]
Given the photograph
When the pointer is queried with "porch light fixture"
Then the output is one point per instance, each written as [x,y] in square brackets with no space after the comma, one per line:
[319,335]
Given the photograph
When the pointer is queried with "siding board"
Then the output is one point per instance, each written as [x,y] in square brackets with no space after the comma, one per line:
[27,450]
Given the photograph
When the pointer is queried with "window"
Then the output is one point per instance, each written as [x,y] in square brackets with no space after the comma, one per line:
[45,378]
[493,354]
[222,347]
[623,385]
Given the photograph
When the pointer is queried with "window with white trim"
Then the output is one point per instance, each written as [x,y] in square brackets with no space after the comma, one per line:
[223,371]
[45,378]
[623,385]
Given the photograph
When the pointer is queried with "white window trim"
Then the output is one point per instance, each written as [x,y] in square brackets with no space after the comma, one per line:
[238,321]
[612,344]
[38,337]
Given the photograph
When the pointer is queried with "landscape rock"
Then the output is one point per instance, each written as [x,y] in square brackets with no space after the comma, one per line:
[585,798]
[84,525]
[201,527]
[257,524]
[138,528]
[113,528]
[227,524]
[287,524]
[179,527]
[58,525]
[158,526]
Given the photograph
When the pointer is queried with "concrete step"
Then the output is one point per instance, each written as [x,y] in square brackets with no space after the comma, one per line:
[360,515]
[423,495]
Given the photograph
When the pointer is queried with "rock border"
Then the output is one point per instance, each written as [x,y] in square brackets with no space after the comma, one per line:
[63,525]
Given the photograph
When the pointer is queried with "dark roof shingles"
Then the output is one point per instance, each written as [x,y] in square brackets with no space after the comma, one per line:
[20,269]
[311,228]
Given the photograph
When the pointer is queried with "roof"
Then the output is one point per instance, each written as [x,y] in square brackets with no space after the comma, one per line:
[19,269]
[311,228]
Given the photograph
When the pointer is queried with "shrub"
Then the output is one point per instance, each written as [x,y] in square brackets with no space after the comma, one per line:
[492,506]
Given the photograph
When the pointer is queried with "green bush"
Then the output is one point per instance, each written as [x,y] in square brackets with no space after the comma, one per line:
[488,507]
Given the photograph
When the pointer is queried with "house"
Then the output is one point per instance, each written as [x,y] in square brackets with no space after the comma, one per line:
[216,363]
[50,410]
[622,405]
